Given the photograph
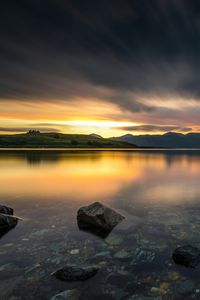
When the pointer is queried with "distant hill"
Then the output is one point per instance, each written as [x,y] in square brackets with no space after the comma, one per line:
[34,139]
[167,140]
[96,135]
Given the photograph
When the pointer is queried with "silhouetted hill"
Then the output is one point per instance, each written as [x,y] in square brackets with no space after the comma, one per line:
[167,140]
[96,135]
[34,139]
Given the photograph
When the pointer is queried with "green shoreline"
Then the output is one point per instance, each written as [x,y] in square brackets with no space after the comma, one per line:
[59,141]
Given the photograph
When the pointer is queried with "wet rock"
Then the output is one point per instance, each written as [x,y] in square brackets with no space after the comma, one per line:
[98,219]
[187,256]
[67,295]
[76,273]
[6,210]
[6,223]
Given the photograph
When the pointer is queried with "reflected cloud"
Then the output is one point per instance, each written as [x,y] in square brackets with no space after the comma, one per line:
[163,177]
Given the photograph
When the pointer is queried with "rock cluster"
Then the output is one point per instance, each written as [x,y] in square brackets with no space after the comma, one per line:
[131,264]
[95,218]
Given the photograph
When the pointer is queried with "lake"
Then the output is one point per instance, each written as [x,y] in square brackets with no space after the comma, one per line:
[158,191]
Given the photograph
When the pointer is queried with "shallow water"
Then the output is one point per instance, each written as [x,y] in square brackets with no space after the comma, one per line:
[157,190]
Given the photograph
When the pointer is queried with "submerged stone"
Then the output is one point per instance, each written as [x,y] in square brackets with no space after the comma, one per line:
[74,251]
[143,256]
[98,219]
[67,295]
[76,273]
[122,254]
[187,256]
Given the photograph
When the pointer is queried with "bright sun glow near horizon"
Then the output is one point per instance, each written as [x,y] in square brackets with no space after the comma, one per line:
[97,123]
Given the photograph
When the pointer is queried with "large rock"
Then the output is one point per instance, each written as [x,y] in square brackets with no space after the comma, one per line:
[76,273]
[187,256]
[6,223]
[67,295]
[98,218]
[6,210]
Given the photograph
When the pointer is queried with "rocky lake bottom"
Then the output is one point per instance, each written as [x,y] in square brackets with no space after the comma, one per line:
[159,195]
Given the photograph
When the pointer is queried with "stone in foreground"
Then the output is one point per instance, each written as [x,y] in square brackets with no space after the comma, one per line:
[6,223]
[7,220]
[76,273]
[98,219]
[67,295]
[187,256]
[6,210]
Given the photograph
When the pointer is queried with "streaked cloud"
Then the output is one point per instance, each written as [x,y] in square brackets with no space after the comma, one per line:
[155,128]
[129,61]
[23,130]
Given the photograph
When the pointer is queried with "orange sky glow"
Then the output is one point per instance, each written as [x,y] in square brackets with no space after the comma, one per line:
[84,117]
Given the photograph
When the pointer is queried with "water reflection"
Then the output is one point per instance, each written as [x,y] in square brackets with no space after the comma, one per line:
[157,191]
[171,176]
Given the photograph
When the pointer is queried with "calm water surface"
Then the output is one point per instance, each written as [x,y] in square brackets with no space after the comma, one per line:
[157,191]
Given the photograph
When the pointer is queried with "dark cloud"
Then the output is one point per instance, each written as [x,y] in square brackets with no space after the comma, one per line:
[66,49]
[155,128]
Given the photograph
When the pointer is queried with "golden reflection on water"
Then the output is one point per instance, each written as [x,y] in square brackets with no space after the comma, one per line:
[85,176]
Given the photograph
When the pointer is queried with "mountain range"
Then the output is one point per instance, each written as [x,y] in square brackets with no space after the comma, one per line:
[170,139]
[35,139]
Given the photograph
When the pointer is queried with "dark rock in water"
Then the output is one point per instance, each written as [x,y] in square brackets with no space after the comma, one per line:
[98,219]
[6,210]
[67,295]
[75,273]
[7,223]
[187,256]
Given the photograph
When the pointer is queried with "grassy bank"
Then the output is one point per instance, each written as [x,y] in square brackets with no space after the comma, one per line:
[58,140]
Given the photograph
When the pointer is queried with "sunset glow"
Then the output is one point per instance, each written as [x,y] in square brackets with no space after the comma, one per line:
[109,120]
[101,75]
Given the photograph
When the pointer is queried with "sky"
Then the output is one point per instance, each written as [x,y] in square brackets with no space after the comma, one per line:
[110,67]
